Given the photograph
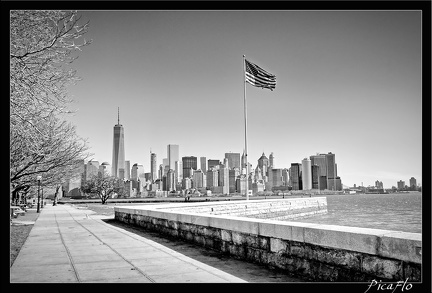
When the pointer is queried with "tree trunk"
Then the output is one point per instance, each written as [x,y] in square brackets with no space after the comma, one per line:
[103,198]
[16,191]
[55,195]
[14,195]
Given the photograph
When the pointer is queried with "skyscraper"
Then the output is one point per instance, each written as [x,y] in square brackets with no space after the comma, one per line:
[258,174]
[263,163]
[320,160]
[171,181]
[225,163]
[75,180]
[165,164]
[331,170]
[138,177]
[173,155]
[186,183]
[331,165]
[285,176]
[241,183]
[315,176]
[104,169]
[212,177]
[335,184]
[295,176]
[91,169]
[179,171]
[233,174]
[233,160]
[188,164]
[137,172]
[271,161]
[276,177]
[153,167]
[118,157]
[213,164]
[224,178]
[306,174]
[198,179]
[161,171]
[127,170]
[203,161]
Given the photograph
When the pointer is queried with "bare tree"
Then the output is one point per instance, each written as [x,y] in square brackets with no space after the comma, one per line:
[42,47]
[55,154]
[42,44]
[105,186]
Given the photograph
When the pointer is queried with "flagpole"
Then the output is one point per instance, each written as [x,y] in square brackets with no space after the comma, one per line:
[245,116]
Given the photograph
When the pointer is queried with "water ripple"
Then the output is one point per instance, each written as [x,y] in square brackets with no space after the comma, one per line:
[397,211]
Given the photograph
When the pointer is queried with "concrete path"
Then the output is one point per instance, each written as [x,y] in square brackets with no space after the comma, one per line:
[69,245]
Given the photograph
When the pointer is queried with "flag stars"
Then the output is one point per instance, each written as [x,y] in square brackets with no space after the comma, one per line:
[258,77]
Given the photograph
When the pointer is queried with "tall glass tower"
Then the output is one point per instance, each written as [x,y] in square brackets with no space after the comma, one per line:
[153,167]
[188,163]
[118,158]
[306,174]
[203,164]
[295,176]
[173,155]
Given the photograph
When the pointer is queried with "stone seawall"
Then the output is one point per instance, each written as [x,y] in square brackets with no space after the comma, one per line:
[262,209]
[313,251]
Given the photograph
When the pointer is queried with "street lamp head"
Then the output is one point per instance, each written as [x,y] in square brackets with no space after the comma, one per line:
[39,178]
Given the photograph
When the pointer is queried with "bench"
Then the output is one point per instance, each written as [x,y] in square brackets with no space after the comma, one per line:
[16,211]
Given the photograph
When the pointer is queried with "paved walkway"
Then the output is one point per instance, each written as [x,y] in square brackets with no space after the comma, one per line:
[69,245]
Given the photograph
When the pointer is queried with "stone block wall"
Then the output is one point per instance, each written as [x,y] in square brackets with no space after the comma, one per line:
[312,251]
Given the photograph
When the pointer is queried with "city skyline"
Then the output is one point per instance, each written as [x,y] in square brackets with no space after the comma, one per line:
[306,169]
[348,82]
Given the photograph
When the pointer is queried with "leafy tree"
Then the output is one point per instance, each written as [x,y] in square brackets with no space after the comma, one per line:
[105,186]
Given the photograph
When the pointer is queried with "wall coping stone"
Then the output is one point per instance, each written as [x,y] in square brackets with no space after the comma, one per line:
[386,243]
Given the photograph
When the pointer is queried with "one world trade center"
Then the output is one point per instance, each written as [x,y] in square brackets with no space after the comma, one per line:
[118,158]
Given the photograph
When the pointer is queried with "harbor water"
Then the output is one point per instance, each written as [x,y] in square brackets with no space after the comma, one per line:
[394,211]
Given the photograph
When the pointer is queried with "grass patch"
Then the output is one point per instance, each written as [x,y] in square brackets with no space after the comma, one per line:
[18,235]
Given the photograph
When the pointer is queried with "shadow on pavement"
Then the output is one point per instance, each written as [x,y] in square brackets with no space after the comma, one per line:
[249,272]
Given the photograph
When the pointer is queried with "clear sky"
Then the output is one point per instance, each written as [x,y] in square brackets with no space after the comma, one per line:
[348,82]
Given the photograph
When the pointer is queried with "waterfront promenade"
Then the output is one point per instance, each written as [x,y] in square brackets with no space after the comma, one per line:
[69,245]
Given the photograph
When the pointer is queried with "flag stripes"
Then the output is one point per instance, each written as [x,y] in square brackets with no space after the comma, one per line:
[258,77]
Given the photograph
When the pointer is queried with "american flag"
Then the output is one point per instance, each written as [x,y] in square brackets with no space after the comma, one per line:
[258,77]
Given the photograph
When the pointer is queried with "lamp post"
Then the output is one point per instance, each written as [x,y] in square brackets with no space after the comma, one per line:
[42,202]
[39,178]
